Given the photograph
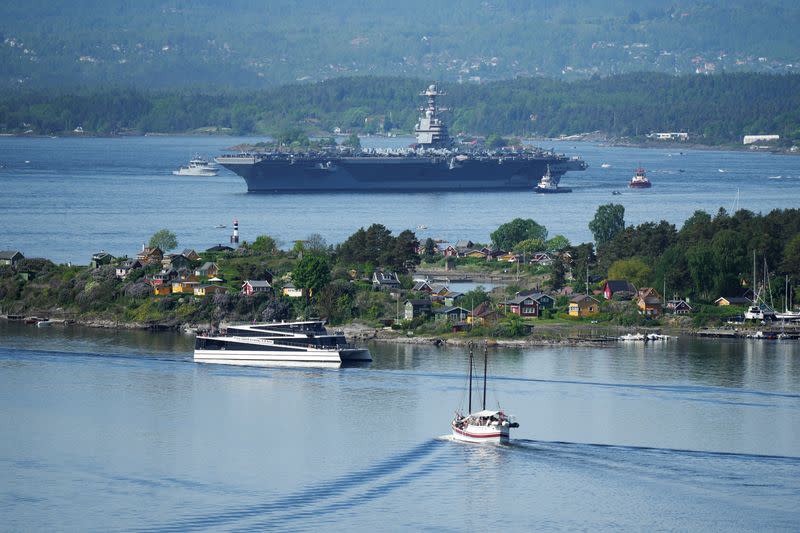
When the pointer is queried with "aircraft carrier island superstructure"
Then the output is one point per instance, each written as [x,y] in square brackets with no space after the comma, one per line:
[434,163]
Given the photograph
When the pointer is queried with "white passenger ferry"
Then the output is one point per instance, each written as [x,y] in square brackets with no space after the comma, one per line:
[305,343]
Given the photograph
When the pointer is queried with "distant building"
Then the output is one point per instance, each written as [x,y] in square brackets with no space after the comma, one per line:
[190,254]
[176,261]
[482,314]
[415,308]
[524,306]
[290,291]
[10,257]
[252,286]
[184,286]
[162,290]
[678,307]
[124,269]
[208,270]
[101,258]
[619,289]
[219,249]
[385,280]
[206,290]
[750,139]
[451,314]
[669,136]
[150,255]
[732,300]
[582,306]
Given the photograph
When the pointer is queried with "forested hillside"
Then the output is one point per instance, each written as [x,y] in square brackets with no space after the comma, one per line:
[712,109]
[253,44]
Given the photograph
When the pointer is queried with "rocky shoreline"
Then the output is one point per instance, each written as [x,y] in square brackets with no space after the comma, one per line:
[582,335]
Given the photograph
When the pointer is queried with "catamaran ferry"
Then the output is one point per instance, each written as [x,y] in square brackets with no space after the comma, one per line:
[304,344]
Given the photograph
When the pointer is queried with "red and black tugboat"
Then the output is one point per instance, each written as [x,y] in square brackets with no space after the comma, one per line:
[639,180]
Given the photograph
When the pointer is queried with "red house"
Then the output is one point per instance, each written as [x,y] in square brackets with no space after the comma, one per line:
[252,286]
[620,288]
[524,306]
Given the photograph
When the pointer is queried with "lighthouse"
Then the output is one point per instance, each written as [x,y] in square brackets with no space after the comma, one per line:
[235,236]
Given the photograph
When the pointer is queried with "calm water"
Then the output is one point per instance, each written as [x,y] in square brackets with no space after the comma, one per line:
[66,198]
[109,431]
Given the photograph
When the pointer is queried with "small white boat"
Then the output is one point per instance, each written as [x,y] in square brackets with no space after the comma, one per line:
[605,165]
[633,337]
[220,226]
[43,323]
[484,426]
[197,167]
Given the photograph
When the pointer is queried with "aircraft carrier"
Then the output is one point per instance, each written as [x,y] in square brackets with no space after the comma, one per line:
[434,163]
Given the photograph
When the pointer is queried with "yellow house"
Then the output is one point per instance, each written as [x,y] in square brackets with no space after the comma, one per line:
[184,286]
[162,290]
[730,300]
[582,306]
[291,291]
[476,254]
[206,290]
[508,258]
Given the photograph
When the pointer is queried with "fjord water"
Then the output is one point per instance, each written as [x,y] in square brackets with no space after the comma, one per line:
[67,198]
[121,431]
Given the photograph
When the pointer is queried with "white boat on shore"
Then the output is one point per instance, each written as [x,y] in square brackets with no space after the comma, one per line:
[484,426]
[300,344]
[642,337]
[197,167]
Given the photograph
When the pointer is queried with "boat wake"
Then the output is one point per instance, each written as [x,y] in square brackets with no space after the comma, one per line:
[343,493]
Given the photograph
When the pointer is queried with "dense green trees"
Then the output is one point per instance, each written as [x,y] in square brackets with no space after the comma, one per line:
[713,109]
[508,235]
[164,239]
[311,273]
[608,221]
[264,244]
[377,247]
[709,256]
[246,43]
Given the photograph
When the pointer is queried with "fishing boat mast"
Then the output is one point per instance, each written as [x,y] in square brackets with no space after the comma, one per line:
[485,366]
[470,379]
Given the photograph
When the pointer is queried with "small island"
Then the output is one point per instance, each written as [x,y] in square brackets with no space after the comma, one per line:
[527,286]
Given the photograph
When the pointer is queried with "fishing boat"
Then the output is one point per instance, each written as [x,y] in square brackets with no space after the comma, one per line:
[484,426]
[788,314]
[759,311]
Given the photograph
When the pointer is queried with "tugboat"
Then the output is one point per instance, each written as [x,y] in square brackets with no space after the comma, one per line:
[639,180]
[548,185]
[484,426]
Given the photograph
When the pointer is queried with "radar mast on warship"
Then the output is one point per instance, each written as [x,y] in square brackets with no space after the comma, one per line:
[434,163]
